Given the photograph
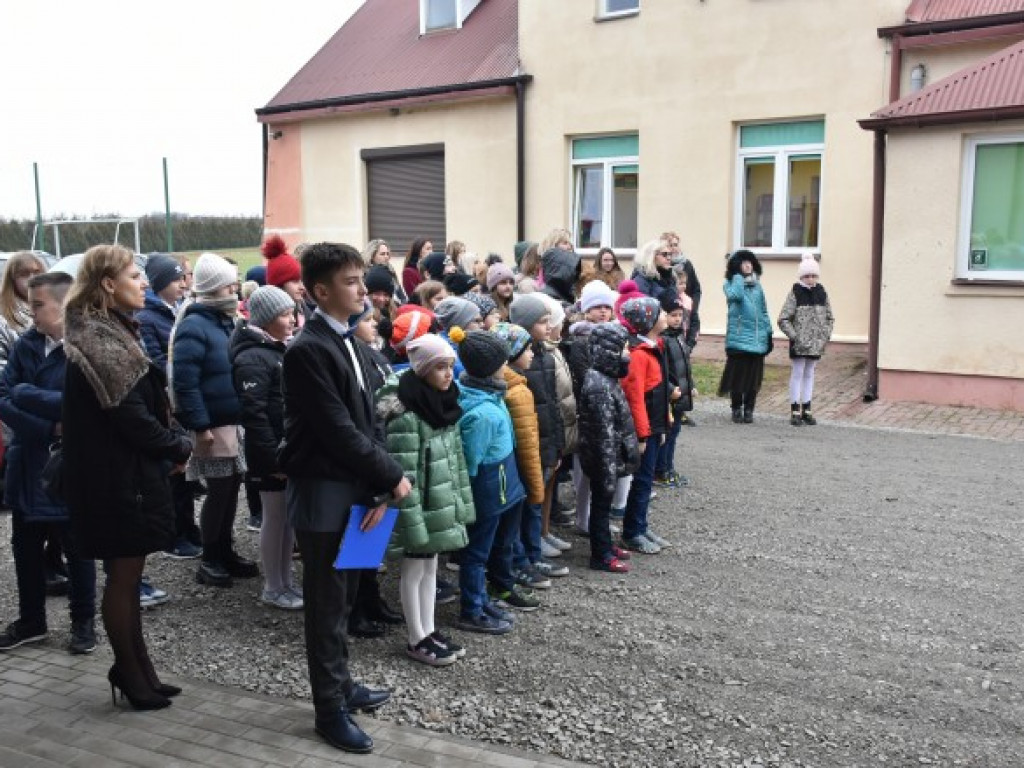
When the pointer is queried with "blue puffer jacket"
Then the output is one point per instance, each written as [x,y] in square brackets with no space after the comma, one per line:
[204,390]
[155,320]
[750,327]
[31,392]
[489,445]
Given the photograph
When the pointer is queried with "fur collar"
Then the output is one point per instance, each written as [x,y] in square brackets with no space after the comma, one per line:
[107,353]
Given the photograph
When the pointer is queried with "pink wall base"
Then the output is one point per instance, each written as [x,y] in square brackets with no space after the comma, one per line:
[952,389]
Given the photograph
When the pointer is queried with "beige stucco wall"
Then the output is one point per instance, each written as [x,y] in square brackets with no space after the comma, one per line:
[683,75]
[942,61]
[480,191]
[928,324]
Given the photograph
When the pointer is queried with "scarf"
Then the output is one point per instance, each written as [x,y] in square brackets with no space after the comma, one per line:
[439,409]
[228,305]
[487,385]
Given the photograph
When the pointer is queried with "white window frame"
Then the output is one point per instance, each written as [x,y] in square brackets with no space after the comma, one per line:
[607,199]
[962,269]
[462,10]
[602,13]
[780,194]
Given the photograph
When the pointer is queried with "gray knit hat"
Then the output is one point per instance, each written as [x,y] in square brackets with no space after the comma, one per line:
[456,311]
[266,303]
[527,310]
[484,302]
[482,354]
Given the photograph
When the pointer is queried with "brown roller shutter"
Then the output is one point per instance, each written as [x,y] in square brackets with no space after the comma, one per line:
[405,193]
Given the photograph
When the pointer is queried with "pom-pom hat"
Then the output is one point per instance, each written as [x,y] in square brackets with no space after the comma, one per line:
[482,353]
[641,315]
[282,267]
[808,266]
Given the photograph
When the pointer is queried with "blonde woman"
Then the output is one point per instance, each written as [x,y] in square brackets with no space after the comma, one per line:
[15,317]
[379,252]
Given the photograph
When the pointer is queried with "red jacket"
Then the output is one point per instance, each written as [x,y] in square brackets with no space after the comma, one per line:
[646,388]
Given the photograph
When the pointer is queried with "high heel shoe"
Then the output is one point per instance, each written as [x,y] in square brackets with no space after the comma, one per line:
[147,701]
[165,689]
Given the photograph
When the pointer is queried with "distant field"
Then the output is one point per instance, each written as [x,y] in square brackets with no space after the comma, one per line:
[244,257]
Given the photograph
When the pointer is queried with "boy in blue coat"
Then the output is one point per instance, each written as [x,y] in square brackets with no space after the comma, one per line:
[31,392]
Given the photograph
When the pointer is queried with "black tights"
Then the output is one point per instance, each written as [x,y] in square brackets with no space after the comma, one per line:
[217,517]
[741,399]
[122,619]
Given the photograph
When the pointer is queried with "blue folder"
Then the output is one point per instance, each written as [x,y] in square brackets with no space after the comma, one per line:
[365,549]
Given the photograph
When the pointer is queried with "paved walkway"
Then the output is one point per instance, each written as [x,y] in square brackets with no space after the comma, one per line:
[839,388]
[55,711]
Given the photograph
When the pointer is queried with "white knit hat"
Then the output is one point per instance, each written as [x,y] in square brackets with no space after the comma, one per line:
[555,308]
[427,350]
[597,294]
[213,272]
[808,266]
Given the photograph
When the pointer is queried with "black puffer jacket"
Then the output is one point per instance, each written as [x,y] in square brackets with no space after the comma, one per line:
[540,378]
[576,351]
[608,446]
[256,368]
[677,361]
[561,271]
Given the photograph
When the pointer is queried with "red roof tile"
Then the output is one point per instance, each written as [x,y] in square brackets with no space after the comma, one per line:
[380,50]
[990,88]
[924,11]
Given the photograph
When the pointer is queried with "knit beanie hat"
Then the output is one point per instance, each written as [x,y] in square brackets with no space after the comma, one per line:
[257,274]
[212,272]
[597,294]
[482,354]
[427,350]
[496,273]
[669,301]
[808,266]
[484,302]
[627,290]
[520,249]
[378,278]
[162,270]
[459,284]
[555,309]
[527,310]
[266,303]
[282,267]
[516,338]
[641,314]
[433,265]
[408,326]
[456,311]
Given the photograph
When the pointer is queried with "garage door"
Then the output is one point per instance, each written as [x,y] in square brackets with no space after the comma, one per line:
[405,193]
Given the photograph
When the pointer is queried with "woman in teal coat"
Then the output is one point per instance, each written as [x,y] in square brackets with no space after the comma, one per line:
[748,335]
[421,415]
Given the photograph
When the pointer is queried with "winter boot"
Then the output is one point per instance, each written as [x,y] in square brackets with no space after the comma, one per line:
[794,415]
[806,416]
[737,415]
[748,414]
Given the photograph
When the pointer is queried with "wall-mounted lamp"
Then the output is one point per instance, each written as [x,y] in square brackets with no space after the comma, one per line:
[277,134]
[917,77]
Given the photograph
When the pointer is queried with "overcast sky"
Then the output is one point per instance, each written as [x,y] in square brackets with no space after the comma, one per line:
[97,92]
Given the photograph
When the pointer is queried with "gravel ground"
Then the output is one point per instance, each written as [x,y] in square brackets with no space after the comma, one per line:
[838,596]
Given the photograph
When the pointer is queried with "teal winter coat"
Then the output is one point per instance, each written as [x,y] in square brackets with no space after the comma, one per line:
[749,327]
[433,517]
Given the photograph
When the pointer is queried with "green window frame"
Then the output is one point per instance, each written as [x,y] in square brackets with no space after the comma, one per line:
[605,181]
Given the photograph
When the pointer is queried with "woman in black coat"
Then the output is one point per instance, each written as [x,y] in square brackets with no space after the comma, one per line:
[120,448]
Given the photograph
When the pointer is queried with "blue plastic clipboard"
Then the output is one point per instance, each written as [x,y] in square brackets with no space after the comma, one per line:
[365,549]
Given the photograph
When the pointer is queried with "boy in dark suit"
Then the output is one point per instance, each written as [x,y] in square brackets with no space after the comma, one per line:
[333,460]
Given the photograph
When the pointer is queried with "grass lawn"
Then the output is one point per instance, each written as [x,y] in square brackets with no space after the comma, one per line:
[707,375]
[244,257]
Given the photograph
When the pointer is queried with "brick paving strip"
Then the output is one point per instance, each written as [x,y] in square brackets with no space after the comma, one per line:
[838,397]
[55,710]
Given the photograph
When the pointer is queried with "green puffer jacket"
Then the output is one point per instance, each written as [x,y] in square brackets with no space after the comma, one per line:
[434,516]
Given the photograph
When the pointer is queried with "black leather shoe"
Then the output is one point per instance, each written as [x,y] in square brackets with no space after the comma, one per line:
[364,628]
[213,575]
[366,699]
[240,567]
[385,614]
[341,732]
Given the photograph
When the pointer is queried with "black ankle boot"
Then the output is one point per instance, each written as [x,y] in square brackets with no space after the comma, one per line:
[794,415]
[748,414]
[737,415]
[806,416]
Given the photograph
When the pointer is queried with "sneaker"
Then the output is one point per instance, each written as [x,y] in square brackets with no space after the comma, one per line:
[558,543]
[83,637]
[285,600]
[517,598]
[656,539]
[495,611]
[654,495]
[620,553]
[618,513]
[611,565]
[17,634]
[546,568]
[428,651]
[663,481]
[213,574]
[531,578]
[451,565]
[150,596]
[614,529]
[184,549]
[642,545]
[295,589]
[484,624]
[254,524]
[549,550]
[446,593]
[457,650]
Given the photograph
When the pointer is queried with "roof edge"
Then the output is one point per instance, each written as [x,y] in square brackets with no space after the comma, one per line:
[369,98]
[988,114]
[914,29]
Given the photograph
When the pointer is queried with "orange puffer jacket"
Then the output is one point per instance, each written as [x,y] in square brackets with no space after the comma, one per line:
[519,400]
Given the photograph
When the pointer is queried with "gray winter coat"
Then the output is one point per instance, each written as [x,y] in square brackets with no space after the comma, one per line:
[806,319]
